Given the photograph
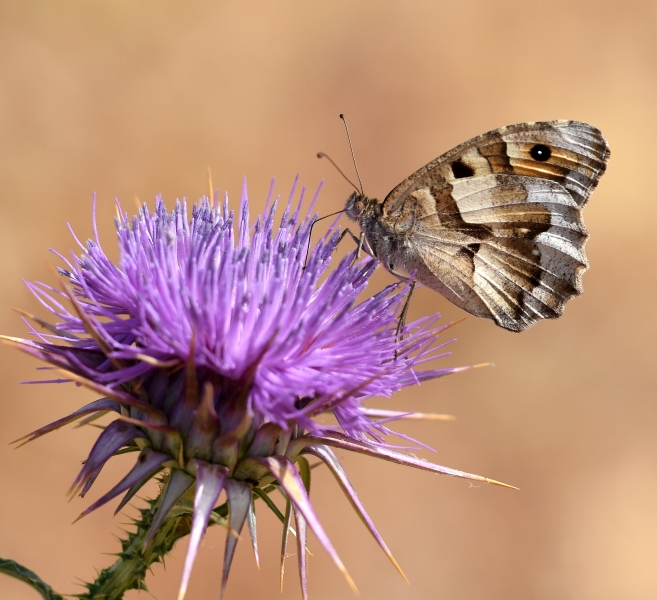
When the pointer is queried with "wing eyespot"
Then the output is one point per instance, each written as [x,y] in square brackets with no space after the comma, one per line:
[540,152]
[461,170]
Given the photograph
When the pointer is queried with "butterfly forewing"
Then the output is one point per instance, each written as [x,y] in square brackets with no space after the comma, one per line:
[576,157]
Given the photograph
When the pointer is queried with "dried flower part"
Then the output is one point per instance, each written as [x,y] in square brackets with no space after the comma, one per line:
[217,350]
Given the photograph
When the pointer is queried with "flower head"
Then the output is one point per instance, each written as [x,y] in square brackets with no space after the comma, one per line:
[217,345]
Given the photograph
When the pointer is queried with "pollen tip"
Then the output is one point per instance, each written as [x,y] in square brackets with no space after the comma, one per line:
[10,339]
[500,483]
[453,323]
[399,569]
[350,581]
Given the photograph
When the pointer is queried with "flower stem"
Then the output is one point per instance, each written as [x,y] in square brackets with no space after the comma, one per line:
[13,569]
[129,571]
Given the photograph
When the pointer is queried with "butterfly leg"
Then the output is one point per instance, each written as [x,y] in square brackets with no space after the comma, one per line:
[391,270]
[402,315]
[360,241]
[351,233]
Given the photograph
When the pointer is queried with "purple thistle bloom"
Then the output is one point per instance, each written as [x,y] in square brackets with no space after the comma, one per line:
[217,349]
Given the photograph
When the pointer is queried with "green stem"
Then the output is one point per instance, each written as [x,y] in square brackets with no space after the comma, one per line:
[129,571]
[13,569]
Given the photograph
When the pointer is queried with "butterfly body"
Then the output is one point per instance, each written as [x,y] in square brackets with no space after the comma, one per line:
[495,224]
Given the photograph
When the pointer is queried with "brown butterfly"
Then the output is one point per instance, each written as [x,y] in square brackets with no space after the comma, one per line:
[494,225]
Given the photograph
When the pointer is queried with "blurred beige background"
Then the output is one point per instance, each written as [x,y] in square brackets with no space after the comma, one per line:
[126,98]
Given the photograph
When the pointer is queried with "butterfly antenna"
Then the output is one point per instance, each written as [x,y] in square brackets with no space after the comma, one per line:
[353,156]
[323,155]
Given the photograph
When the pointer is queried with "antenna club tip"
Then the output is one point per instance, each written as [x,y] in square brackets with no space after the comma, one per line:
[342,116]
[320,155]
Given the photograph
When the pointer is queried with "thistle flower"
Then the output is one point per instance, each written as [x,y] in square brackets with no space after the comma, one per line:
[217,350]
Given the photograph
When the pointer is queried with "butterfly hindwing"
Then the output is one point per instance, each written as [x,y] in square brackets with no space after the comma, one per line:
[515,242]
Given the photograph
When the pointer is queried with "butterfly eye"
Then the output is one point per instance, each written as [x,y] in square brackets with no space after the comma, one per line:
[540,152]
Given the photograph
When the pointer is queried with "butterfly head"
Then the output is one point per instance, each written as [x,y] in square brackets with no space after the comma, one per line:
[359,206]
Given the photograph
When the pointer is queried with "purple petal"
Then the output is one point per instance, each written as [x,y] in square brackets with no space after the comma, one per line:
[129,495]
[239,499]
[286,475]
[92,326]
[95,416]
[116,435]
[122,398]
[302,543]
[253,532]
[209,483]
[179,482]
[205,425]
[59,333]
[164,437]
[265,440]
[286,531]
[147,464]
[103,404]
[338,441]
[90,481]
[328,457]
[392,415]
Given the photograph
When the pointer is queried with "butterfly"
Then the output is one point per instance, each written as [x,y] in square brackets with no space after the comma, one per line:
[494,225]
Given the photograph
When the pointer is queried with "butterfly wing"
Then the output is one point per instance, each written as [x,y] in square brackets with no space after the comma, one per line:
[572,153]
[495,225]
